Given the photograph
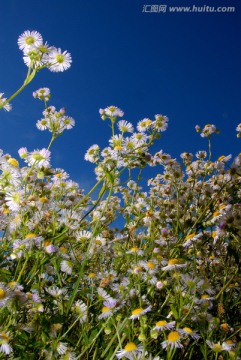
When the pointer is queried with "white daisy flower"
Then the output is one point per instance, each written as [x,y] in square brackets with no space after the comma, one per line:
[164,325]
[161,122]
[6,106]
[61,348]
[144,125]
[58,60]
[173,341]
[188,331]
[4,343]
[13,200]
[113,111]
[42,94]
[66,267]
[105,312]
[39,158]
[135,314]
[80,308]
[92,154]
[23,152]
[173,264]
[56,292]
[130,351]
[29,39]
[68,122]
[42,124]
[125,126]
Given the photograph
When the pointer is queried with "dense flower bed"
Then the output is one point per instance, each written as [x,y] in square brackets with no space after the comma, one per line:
[74,284]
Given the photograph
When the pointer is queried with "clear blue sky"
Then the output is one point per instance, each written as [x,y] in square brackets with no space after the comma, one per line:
[186,66]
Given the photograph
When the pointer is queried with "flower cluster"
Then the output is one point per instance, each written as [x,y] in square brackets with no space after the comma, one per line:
[37,54]
[54,121]
[132,269]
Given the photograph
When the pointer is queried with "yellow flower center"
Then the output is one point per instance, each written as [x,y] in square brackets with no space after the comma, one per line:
[97,242]
[4,337]
[190,236]
[221,157]
[148,122]
[151,265]
[105,309]
[217,347]
[137,311]
[134,249]
[161,323]
[204,296]
[29,40]
[59,58]
[118,147]
[216,213]
[43,199]
[173,262]
[91,275]
[130,347]
[13,162]
[2,294]
[188,330]
[30,236]
[173,336]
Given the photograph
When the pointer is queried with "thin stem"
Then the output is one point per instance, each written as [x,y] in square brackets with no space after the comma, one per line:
[29,78]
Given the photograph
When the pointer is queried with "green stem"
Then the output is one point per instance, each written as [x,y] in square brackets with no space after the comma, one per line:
[73,295]
[29,78]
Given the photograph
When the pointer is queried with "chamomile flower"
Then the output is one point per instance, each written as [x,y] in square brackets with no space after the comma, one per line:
[42,94]
[58,60]
[189,332]
[39,158]
[13,200]
[4,343]
[113,111]
[23,152]
[56,292]
[130,351]
[173,341]
[164,325]
[3,100]
[61,348]
[139,138]
[92,154]
[42,124]
[66,267]
[161,122]
[29,39]
[80,309]
[217,347]
[144,125]
[125,126]
[173,264]
[105,312]
[5,294]
[68,122]
[135,314]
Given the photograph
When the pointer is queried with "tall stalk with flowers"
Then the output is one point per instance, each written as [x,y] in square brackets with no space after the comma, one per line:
[75,284]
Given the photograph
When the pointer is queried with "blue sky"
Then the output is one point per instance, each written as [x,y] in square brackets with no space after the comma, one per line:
[184,65]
